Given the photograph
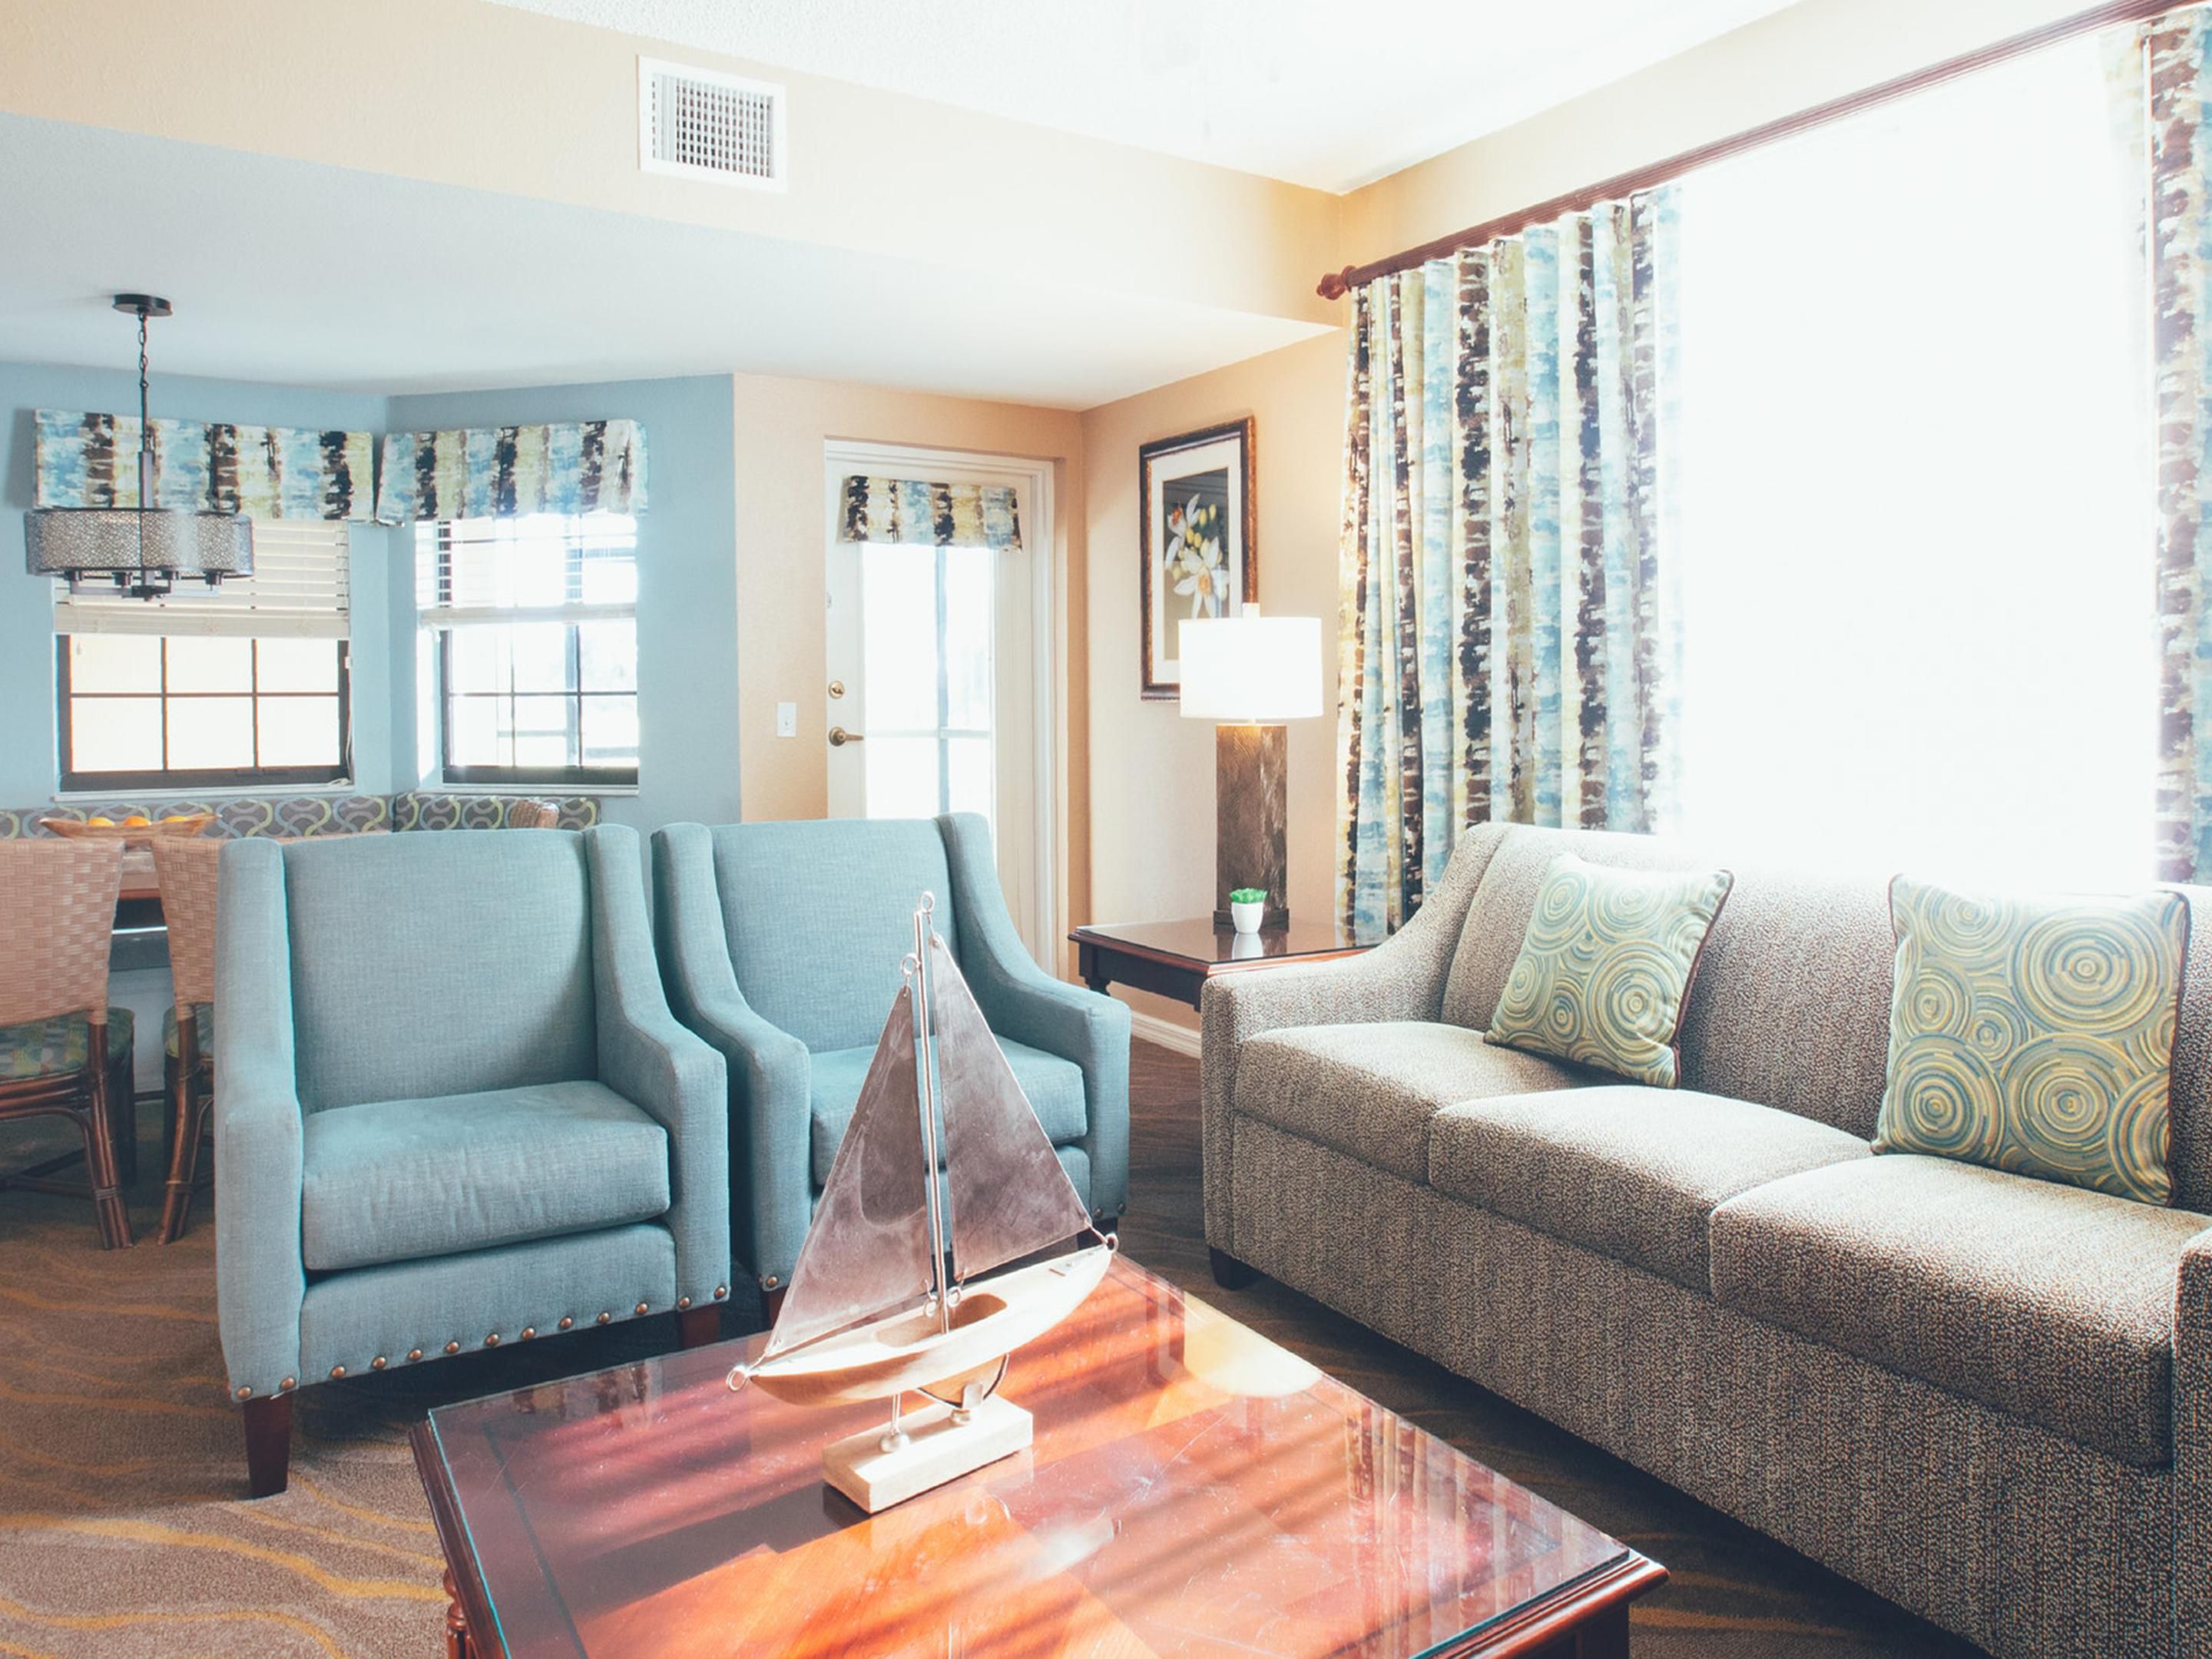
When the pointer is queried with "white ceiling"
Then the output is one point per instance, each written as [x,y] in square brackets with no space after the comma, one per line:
[1333,93]
[301,273]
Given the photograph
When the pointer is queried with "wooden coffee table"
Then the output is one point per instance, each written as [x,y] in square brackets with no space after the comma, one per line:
[1193,1489]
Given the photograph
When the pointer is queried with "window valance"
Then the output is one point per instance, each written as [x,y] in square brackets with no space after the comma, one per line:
[571,468]
[263,471]
[929,515]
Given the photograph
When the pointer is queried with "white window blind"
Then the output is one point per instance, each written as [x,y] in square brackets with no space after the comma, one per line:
[298,590]
[542,569]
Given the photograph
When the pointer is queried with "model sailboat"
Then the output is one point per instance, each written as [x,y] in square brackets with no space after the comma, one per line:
[892,1294]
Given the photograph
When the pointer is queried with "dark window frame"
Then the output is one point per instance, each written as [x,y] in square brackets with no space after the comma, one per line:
[578,776]
[172,781]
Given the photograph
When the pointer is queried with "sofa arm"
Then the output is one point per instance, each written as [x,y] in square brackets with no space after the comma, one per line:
[1400,979]
[1022,1001]
[2192,1451]
[651,1061]
[769,1097]
[260,1278]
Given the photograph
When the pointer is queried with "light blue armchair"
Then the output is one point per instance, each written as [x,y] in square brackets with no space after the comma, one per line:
[780,944]
[452,1110]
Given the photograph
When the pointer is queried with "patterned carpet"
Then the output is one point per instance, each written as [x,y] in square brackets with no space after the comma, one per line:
[124,1532]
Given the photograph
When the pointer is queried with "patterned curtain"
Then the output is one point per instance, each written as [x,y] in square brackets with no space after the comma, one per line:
[2174,52]
[572,468]
[263,471]
[929,515]
[1509,638]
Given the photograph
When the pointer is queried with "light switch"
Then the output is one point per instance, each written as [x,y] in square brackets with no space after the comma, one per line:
[787,719]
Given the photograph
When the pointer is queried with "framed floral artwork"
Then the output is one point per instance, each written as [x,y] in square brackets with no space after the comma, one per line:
[1198,528]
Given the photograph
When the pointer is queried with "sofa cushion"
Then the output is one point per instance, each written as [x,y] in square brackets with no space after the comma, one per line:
[1633,1173]
[392,1180]
[1767,1020]
[1606,965]
[1053,1085]
[1370,1091]
[1498,917]
[2050,1302]
[2037,1035]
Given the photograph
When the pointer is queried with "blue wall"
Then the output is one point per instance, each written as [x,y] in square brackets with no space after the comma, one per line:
[687,579]
[687,584]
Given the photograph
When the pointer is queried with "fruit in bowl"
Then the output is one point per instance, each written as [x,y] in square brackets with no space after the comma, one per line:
[135,830]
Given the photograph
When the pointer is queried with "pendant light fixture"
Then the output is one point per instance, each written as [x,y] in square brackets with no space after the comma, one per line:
[142,551]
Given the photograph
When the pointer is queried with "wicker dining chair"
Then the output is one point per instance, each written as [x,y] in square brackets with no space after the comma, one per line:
[533,814]
[187,869]
[63,1052]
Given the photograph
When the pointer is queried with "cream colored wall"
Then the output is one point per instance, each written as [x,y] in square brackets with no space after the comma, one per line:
[1151,771]
[493,98]
[781,426]
[1814,52]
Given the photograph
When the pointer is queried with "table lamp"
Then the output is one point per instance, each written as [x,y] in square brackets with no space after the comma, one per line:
[1248,673]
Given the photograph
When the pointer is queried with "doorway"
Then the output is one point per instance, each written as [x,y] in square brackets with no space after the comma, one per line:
[939,693]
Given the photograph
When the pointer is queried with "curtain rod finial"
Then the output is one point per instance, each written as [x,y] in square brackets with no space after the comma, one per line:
[1336,284]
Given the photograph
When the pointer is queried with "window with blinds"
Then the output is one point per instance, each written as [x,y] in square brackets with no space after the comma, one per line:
[298,590]
[244,685]
[535,620]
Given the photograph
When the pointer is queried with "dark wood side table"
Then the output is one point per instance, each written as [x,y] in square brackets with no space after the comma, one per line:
[1176,958]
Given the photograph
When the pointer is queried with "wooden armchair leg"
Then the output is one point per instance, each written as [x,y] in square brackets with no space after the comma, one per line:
[696,1327]
[268,1445]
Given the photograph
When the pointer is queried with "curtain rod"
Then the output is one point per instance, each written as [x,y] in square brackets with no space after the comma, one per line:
[1337,283]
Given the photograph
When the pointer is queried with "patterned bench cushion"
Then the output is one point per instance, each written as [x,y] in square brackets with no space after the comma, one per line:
[242,815]
[315,815]
[423,809]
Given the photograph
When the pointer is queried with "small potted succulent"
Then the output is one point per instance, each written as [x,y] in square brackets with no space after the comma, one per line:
[1247,905]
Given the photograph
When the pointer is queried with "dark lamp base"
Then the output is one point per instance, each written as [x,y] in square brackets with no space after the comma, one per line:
[1250,818]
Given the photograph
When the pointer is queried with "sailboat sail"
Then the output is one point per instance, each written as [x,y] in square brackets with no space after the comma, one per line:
[868,1249]
[1010,1195]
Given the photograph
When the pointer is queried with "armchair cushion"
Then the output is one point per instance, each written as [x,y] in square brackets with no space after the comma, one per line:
[55,1048]
[430,965]
[1053,1085]
[2050,1302]
[394,1181]
[820,913]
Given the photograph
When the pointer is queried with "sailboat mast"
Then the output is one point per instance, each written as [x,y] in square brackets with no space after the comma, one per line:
[924,1077]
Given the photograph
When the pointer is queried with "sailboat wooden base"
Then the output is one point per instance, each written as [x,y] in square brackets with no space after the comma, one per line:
[937,1449]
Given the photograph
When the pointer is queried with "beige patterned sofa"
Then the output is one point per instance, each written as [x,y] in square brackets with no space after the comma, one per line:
[1988,1398]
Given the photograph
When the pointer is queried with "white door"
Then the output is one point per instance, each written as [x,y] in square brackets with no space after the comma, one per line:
[934,680]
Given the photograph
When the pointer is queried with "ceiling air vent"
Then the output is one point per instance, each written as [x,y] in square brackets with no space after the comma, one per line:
[698,123]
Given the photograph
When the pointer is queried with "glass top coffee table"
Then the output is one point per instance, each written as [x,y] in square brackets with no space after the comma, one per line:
[1193,1489]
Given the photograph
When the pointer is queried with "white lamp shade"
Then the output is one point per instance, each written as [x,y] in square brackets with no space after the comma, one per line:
[1250,668]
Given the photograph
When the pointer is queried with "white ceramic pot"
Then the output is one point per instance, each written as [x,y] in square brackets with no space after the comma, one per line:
[1245,917]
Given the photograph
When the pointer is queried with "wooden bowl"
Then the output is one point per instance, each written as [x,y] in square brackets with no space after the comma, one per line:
[130,834]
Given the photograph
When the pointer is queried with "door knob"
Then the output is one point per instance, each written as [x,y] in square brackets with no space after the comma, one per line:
[839,737]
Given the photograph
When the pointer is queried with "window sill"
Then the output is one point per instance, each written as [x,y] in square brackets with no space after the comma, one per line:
[226,792]
[527,790]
